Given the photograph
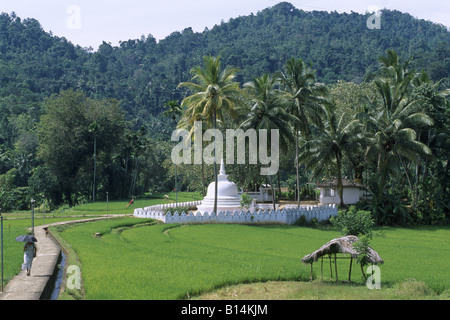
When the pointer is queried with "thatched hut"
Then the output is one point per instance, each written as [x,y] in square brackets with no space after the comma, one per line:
[342,245]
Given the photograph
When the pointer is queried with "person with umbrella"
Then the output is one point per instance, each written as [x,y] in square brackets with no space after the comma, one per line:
[29,250]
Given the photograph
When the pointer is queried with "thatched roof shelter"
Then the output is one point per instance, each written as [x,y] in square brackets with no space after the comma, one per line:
[341,245]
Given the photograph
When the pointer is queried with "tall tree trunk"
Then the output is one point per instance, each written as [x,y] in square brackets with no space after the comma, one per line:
[126,180]
[340,187]
[416,187]
[95,168]
[279,185]
[203,179]
[215,167]
[296,167]
[382,172]
[411,188]
[444,181]
[273,192]
[176,185]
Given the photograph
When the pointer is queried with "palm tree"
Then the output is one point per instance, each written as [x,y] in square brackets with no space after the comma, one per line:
[329,145]
[94,128]
[300,83]
[393,123]
[173,110]
[306,96]
[189,124]
[268,111]
[216,95]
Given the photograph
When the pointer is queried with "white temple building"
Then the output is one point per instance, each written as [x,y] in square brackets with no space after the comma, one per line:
[228,198]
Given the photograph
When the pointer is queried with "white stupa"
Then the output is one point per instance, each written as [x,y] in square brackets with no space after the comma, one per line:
[228,198]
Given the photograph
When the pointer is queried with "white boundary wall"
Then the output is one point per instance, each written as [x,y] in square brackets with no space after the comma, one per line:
[284,216]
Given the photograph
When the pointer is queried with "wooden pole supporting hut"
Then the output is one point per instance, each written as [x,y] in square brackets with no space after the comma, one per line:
[342,245]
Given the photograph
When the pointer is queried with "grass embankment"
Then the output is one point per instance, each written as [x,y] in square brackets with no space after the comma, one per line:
[322,290]
[177,262]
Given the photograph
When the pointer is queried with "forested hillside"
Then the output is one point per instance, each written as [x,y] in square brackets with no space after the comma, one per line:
[142,75]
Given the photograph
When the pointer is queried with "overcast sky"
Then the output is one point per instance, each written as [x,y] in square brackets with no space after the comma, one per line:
[89,22]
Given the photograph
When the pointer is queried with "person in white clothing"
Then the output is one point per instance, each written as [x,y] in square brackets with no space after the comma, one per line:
[29,254]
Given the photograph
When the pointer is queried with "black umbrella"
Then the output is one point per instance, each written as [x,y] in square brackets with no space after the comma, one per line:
[26,239]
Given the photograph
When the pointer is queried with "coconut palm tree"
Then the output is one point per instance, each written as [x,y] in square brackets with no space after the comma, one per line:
[306,96]
[215,96]
[393,122]
[268,111]
[268,108]
[329,144]
[189,124]
[173,110]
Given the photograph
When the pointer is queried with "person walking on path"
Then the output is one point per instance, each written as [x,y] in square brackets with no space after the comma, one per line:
[29,254]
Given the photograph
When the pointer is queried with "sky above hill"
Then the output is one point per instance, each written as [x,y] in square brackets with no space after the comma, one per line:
[89,22]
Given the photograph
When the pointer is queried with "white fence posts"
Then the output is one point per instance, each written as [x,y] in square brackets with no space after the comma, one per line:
[288,215]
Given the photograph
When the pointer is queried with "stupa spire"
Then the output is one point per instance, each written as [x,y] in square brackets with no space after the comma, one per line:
[222,168]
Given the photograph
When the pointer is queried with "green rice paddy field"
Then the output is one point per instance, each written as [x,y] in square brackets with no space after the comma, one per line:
[139,259]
